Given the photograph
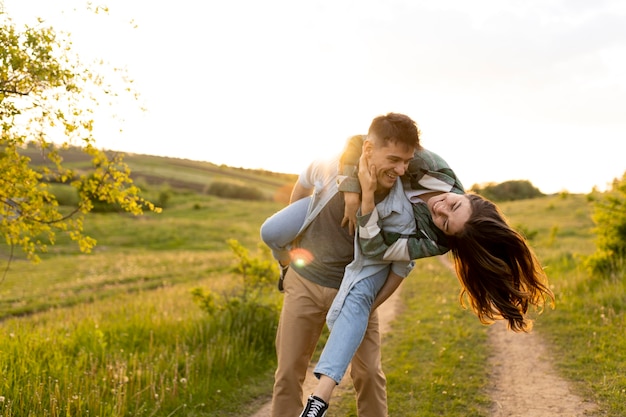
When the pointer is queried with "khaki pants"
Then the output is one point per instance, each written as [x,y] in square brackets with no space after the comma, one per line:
[302,319]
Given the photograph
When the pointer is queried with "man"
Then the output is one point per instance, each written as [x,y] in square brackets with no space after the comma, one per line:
[319,255]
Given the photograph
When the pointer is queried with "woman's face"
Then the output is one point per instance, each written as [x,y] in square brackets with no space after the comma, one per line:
[450,212]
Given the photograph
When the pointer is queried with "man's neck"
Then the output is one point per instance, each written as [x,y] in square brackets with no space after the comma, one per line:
[380,195]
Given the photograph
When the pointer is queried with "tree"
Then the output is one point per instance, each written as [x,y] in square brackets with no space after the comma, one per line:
[508,190]
[48,99]
[609,217]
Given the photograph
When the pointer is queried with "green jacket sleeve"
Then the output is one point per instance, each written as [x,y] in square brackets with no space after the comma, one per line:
[382,245]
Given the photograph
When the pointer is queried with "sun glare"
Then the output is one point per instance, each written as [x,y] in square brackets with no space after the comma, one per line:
[301,257]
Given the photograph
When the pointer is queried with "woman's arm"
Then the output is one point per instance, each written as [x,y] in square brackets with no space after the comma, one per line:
[378,244]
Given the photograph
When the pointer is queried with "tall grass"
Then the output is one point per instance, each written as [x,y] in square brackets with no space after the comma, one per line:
[117,333]
[145,354]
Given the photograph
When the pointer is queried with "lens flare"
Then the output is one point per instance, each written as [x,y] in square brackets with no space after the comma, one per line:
[301,257]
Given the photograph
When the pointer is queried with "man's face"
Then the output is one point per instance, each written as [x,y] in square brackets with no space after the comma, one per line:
[391,161]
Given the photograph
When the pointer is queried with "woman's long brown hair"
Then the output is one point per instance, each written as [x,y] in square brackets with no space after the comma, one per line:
[497,269]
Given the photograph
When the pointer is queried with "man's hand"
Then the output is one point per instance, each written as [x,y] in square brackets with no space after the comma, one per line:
[351,206]
[367,175]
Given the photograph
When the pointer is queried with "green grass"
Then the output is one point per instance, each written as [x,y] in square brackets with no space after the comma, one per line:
[116,332]
[185,243]
[588,331]
[151,353]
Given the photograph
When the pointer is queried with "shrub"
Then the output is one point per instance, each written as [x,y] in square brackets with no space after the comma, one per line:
[508,191]
[164,198]
[242,321]
[239,192]
[610,219]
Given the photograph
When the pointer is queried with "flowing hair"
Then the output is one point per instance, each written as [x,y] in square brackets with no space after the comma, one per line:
[499,273]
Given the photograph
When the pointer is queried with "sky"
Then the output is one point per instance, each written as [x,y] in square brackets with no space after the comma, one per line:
[502,89]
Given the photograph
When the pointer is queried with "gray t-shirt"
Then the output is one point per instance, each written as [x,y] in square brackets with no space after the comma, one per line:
[331,246]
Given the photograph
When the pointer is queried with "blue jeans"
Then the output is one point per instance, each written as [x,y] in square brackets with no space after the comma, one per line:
[349,328]
[279,230]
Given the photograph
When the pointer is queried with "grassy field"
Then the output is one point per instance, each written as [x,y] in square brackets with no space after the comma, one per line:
[117,332]
[184,174]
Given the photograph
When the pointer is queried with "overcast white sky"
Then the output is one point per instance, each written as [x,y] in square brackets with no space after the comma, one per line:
[502,89]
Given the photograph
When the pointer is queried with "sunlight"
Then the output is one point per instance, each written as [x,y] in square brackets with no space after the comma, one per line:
[301,257]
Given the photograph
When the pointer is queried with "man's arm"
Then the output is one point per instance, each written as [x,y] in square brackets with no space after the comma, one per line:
[388,288]
[299,192]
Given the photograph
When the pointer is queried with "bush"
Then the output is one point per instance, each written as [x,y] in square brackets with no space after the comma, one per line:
[243,328]
[242,322]
[508,191]
[239,192]
[610,219]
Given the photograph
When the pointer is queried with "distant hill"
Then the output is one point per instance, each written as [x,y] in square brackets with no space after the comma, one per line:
[183,174]
[204,177]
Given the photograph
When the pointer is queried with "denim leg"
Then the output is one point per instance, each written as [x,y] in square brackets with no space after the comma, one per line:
[279,230]
[350,326]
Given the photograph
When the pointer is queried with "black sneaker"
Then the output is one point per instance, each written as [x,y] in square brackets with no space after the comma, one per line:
[315,407]
[281,278]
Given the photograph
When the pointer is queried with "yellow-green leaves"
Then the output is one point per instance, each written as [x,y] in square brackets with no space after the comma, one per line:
[47,101]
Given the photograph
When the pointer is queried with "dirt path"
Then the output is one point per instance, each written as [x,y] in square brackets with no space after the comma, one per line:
[523,382]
